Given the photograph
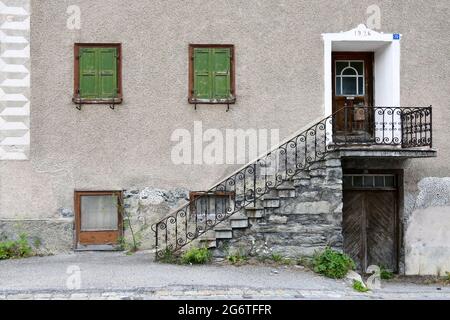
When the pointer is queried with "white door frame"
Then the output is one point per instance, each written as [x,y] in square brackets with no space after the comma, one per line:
[386,48]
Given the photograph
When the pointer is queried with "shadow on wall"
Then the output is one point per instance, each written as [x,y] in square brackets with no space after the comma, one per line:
[427,238]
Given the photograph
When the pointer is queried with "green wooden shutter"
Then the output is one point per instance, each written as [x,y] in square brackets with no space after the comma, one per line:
[107,58]
[202,74]
[221,77]
[98,73]
[88,73]
[212,74]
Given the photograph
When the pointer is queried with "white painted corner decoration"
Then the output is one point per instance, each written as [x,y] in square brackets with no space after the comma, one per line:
[14,80]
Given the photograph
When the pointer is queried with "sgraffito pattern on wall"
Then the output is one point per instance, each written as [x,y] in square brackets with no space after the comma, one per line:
[14,79]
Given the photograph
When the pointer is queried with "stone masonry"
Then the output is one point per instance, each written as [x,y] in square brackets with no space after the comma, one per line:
[295,222]
[146,206]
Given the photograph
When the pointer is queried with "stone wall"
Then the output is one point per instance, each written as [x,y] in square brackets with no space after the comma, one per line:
[301,225]
[146,206]
[45,236]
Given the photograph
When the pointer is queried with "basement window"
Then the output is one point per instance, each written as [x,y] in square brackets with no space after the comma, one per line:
[210,204]
[211,74]
[369,181]
[98,218]
[98,75]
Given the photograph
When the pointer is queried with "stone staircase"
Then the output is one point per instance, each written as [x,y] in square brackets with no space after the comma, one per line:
[299,216]
[256,189]
[248,216]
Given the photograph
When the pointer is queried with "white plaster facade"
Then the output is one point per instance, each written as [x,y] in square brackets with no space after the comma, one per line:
[14,80]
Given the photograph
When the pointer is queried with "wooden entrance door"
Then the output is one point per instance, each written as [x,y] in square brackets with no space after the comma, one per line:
[370,222]
[353,95]
[97,218]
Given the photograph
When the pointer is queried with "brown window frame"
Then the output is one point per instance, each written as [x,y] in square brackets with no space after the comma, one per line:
[77,206]
[191,73]
[198,194]
[76,99]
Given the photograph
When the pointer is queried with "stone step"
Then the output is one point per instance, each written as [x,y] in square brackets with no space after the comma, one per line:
[301,175]
[239,223]
[208,234]
[302,182]
[208,243]
[224,233]
[287,193]
[273,193]
[286,185]
[273,202]
[254,212]
[238,220]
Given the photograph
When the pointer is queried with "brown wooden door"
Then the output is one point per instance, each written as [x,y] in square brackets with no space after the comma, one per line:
[353,94]
[370,227]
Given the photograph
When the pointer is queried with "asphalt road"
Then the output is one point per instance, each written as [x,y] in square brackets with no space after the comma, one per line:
[114,274]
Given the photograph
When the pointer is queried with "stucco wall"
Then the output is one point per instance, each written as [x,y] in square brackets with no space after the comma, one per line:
[279,85]
[279,81]
[427,237]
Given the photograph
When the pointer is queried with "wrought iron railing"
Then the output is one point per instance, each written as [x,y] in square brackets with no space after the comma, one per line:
[403,127]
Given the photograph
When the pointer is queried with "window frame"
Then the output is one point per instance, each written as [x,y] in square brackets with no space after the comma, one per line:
[357,76]
[193,195]
[78,194]
[191,98]
[76,99]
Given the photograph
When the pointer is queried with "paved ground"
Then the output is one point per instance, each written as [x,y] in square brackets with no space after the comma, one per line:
[114,275]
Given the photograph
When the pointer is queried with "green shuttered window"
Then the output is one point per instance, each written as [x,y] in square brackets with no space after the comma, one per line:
[98,76]
[212,78]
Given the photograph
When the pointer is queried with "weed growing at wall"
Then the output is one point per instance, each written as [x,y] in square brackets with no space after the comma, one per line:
[385,274]
[13,249]
[136,235]
[305,262]
[196,256]
[276,257]
[332,264]
[168,257]
[237,258]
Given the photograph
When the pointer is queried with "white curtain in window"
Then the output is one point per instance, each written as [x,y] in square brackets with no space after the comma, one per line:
[99,213]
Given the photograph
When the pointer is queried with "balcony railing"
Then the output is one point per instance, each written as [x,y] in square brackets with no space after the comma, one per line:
[406,127]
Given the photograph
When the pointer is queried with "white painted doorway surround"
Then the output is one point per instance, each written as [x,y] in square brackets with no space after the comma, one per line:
[386,48]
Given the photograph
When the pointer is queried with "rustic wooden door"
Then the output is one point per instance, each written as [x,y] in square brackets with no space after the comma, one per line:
[353,95]
[370,226]
[381,228]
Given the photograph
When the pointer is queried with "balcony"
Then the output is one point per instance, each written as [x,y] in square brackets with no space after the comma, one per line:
[382,132]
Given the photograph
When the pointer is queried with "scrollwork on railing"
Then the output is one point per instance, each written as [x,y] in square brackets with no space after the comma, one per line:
[405,127]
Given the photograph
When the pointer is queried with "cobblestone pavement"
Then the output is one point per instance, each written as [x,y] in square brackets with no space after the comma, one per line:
[113,275]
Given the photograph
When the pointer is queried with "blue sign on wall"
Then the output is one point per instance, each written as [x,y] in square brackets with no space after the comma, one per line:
[396,36]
